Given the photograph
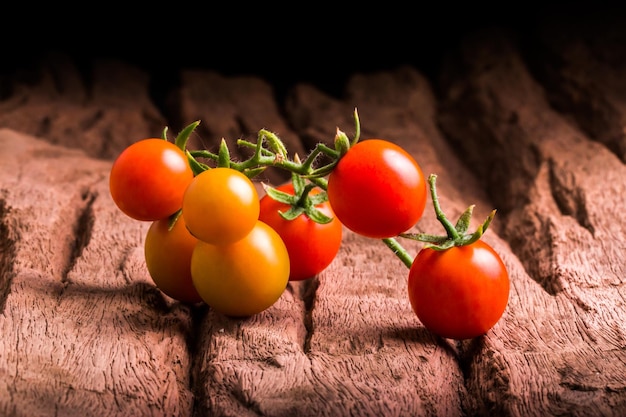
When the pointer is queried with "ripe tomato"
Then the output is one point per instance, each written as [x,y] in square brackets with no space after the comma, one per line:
[221,206]
[312,246]
[460,292]
[148,179]
[245,277]
[168,259]
[377,189]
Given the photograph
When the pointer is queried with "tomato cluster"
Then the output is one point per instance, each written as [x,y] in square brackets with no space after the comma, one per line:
[213,239]
[240,265]
[206,242]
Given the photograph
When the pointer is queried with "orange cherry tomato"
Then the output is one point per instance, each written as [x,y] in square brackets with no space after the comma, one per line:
[168,259]
[245,277]
[221,206]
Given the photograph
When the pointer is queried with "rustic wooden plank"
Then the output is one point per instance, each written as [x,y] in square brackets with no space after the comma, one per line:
[100,110]
[562,194]
[360,350]
[84,332]
[274,374]
[400,106]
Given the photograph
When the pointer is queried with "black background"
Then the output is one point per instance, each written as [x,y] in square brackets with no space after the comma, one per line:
[303,42]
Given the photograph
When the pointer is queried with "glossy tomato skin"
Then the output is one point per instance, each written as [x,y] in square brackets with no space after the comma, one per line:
[245,277]
[221,206]
[461,292]
[312,246]
[148,179]
[168,259]
[377,189]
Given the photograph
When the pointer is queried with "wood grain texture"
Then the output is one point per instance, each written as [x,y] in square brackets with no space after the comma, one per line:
[561,193]
[85,331]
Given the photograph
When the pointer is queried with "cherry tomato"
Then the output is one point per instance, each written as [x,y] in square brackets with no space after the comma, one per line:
[312,246]
[221,206]
[168,259]
[460,292]
[377,189]
[245,277]
[148,179]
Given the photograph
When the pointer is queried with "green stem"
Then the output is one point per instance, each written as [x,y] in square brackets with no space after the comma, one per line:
[399,251]
[303,199]
[450,229]
[320,182]
[277,156]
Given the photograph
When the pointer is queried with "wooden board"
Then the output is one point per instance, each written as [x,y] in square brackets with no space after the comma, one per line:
[85,332]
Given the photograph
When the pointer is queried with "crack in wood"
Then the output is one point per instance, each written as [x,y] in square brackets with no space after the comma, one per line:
[569,198]
[309,298]
[7,254]
[82,231]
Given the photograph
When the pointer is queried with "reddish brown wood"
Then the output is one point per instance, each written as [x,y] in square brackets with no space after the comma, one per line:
[85,332]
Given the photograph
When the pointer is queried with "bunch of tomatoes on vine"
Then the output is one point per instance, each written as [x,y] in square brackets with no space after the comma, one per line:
[214,239]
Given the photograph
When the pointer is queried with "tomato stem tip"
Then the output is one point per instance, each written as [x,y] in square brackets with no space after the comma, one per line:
[456,234]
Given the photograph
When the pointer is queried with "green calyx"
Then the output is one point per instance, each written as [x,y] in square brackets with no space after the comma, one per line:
[456,234]
[302,201]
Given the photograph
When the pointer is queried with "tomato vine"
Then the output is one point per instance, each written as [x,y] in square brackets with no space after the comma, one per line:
[458,285]
[270,151]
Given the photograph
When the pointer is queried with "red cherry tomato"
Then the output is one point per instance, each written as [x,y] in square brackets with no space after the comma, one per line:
[312,246]
[168,259]
[377,189]
[148,179]
[460,292]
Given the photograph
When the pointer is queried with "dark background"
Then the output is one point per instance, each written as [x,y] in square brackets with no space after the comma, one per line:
[304,42]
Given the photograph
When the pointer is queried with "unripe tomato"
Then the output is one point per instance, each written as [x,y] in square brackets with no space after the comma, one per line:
[377,189]
[168,259]
[245,277]
[221,206]
[460,292]
[148,179]
[312,246]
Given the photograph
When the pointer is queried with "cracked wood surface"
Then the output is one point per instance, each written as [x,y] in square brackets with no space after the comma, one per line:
[85,332]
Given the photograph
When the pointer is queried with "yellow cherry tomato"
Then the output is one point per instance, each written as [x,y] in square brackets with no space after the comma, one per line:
[245,277]
[221,206]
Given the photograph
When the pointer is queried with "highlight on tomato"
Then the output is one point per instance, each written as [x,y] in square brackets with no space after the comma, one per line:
[302,216]
[377,189]
[167,251]
[245,277]
[148,179]
[220,205]
[458,285]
